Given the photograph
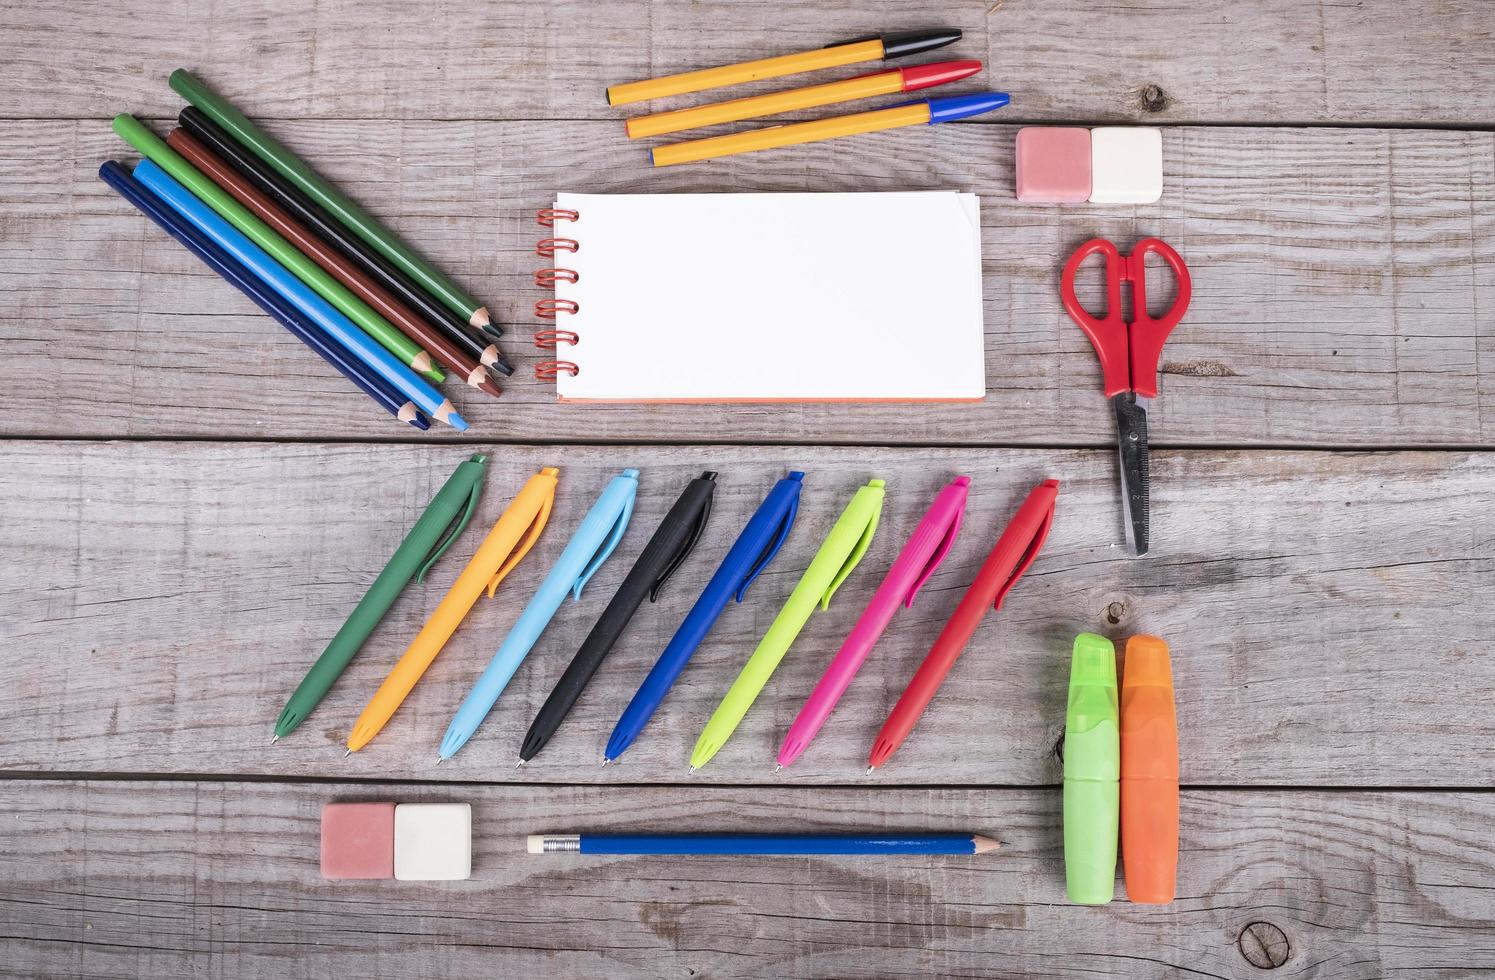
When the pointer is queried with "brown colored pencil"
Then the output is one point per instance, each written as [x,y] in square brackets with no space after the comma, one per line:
[337,265]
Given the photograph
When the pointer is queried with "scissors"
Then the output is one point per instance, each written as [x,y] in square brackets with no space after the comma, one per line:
[1129,354]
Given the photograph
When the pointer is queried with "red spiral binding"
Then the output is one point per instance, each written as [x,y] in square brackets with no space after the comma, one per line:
[551,308]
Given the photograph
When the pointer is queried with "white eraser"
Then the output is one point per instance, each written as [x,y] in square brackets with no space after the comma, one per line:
[433,841]
[535,843]
[1126,165]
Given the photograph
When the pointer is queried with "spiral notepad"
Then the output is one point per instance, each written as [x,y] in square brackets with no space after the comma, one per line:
[763,297]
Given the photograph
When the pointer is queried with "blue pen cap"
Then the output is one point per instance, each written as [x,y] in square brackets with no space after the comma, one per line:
[952,107]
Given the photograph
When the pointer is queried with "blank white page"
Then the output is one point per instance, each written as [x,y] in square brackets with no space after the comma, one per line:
[774,297]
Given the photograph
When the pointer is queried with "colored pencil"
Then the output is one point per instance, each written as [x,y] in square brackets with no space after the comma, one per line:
[434,341]
[264,179]
[760,844]
[155,149]
[322,313]
[291,167]
[118,177]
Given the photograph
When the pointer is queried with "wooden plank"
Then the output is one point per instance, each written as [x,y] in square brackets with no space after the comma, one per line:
[1327,612]
[1176,60]
[1343,280]
[221,879]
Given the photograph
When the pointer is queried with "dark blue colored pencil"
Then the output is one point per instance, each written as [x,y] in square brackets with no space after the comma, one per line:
[116,176]
[760,844]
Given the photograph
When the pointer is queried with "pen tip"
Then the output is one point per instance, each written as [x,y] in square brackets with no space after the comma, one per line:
[347,753]
[869,769]
[440,759]
[690,770]
[778,769]
[605,761]
[274,739]
[519,764]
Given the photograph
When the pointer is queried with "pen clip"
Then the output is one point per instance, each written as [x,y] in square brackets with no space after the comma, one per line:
[520,550]
[946,543]
[1035,544]
[859,550]
[773,547]
[685,548]
[457,527]
[620,524]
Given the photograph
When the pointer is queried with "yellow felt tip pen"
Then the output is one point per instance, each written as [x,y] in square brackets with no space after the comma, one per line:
[848,90]
[505,546]
[884,46]
[929,112]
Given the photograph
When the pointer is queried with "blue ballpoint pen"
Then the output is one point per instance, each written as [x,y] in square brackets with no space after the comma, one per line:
[754,548]
[589,547]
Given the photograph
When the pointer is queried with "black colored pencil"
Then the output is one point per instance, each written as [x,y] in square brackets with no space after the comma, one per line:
[272,185]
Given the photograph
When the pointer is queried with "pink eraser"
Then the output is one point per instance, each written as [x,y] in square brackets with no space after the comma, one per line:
[358,840]
[1053,164]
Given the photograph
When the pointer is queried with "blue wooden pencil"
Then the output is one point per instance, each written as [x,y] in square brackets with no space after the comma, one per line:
[760,844]
[118,177]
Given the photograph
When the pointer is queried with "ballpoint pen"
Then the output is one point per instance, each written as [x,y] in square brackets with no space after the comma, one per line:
[505,546]
[838,556]
[1015,551]
[589,547]
[447,514]
[926,112]
[921,555]
[1149,773]
[1092,770]
[900,44]
[754,548]
[662,556]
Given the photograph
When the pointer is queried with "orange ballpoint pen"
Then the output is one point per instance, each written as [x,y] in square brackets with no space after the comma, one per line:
[505,546]
[1149,773]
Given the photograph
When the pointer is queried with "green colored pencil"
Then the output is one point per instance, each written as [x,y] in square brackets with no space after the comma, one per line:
[267,148]
[153,147]
[454,502]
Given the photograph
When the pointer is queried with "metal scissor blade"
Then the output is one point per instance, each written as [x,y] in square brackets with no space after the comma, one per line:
[1131,443]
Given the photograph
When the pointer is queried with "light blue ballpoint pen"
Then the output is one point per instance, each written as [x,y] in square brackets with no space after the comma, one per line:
[589,547]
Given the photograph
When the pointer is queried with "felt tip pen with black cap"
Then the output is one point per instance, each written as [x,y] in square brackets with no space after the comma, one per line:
[901,44]
[662,557]
[754,548]
[929,111]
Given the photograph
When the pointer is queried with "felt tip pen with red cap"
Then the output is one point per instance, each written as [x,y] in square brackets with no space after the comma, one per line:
[1014,553]
[930,111]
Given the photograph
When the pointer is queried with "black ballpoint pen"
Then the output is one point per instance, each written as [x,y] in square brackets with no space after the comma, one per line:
[666,551]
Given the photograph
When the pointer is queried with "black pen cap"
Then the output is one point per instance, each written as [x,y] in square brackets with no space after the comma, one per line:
[904,43]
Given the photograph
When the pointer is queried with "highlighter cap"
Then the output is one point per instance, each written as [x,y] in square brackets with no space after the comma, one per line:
[1146,663]
[1094,662]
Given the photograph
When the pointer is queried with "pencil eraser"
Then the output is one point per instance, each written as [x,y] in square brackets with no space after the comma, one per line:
[358,840]
[1053,164]
[433,841]
[1126,165]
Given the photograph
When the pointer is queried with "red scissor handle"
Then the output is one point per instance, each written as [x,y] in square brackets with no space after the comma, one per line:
[1128,355]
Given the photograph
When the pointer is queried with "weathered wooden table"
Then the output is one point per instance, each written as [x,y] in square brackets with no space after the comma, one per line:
[193,503]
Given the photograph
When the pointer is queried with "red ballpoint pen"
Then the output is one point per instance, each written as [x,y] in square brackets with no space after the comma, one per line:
[1014,553]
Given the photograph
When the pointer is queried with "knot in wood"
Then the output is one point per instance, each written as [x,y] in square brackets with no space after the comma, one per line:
[1264,945]
[1152,98]
[1115,612]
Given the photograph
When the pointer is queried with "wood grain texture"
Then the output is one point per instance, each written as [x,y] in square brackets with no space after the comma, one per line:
[1278,61]
[1343,282]
[221,879]
[1327,613]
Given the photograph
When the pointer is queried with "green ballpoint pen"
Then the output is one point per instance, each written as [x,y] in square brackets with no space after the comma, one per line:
[839,554]
[449,511]
[1092,772]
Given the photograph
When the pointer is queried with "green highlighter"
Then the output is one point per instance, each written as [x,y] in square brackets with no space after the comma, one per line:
[838,556]
[1092,772]
[449,512]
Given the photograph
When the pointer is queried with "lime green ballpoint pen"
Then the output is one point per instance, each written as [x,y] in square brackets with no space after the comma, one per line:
[839,554]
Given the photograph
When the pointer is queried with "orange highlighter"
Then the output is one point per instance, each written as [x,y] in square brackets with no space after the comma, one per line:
[1149,773]
[510,540]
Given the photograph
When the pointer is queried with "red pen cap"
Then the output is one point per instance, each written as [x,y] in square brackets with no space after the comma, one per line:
[939,73]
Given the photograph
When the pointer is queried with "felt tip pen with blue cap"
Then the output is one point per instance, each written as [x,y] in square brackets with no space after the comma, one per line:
[927,111]
[754,548]
[589,547]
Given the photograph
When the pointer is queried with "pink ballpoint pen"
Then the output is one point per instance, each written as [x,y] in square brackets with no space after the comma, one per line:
[926,548]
